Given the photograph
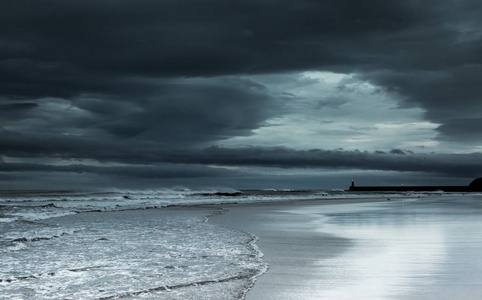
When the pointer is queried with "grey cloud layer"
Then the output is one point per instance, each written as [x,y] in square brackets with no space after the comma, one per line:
[136,81]
[463,165]
[174,164]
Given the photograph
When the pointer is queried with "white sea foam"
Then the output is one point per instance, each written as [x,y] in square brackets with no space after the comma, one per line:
[33,206]
[8,219]
[133,254]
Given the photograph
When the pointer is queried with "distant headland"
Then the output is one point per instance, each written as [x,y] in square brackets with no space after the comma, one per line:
[474,186]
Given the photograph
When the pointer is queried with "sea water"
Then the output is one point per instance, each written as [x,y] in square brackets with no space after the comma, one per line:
[109,245]
[127,244]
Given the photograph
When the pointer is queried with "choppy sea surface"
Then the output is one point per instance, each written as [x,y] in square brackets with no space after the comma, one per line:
[122,244]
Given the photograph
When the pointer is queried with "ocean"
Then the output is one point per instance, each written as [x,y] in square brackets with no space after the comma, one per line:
[108,244]
[160,245]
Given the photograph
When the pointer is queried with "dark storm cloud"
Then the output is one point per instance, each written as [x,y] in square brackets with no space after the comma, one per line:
[193,111]
[174,113]
[191,37]
[15,110]
[459,165]
[462,130]
[450,96]
[137,81]
[429,51]
[71,39]
[190,163]
[401,152]
[159,171]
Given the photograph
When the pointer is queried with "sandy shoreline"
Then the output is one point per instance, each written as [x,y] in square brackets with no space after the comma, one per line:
[406,248]
[291,243]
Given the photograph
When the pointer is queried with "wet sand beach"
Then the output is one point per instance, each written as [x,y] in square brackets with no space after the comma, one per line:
[292,245]
[406,248]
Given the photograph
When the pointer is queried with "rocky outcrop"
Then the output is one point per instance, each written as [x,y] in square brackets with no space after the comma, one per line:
[476,184]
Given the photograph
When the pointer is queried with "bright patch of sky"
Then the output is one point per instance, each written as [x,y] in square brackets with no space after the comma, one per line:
[330,110]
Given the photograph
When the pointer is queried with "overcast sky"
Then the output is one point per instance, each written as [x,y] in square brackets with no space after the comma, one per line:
[245,94]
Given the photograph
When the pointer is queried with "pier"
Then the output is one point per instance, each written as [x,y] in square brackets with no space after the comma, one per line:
[474,186]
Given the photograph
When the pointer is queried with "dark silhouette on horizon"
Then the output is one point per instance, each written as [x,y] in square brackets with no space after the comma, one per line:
[474,186]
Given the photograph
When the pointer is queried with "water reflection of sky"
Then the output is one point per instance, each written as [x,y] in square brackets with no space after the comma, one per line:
[424,249]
